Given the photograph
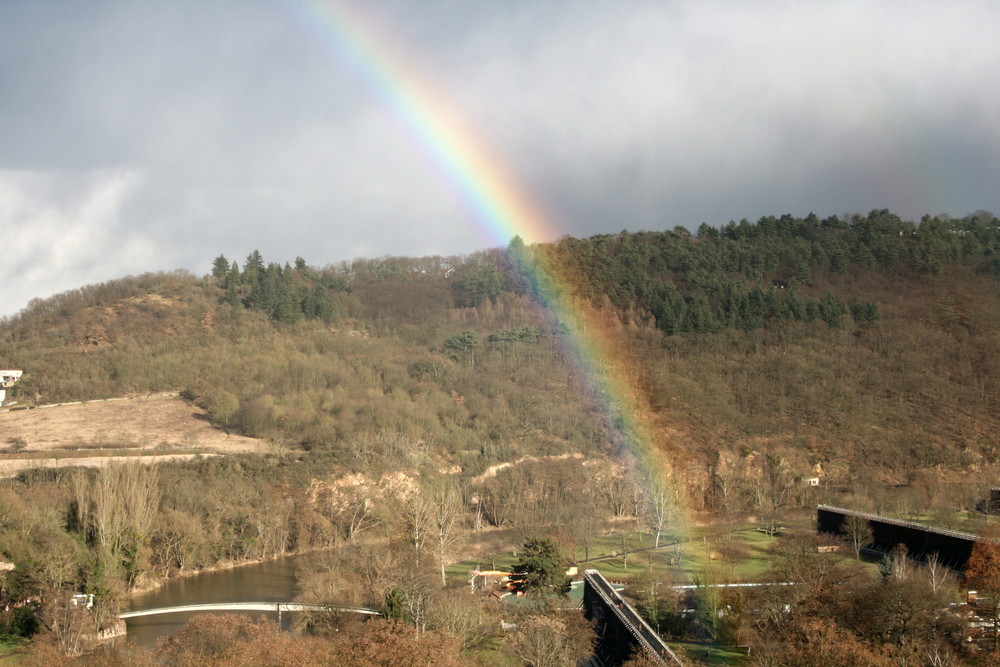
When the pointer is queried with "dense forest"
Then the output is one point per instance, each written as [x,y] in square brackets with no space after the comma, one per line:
[862,350]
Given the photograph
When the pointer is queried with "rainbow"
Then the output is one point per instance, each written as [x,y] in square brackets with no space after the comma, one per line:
[497,204]
[357,42]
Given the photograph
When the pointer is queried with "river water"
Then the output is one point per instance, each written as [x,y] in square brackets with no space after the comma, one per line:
[271,581]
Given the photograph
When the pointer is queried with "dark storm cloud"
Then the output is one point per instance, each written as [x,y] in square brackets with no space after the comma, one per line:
[148,136]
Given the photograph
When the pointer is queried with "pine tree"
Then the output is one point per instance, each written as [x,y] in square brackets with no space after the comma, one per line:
[220,267]
[254,264]
[542,568]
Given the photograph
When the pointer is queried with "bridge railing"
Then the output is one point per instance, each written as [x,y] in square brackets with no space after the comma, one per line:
[644,635]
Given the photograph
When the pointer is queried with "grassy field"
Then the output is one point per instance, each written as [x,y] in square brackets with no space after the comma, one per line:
[9,649]
[709,654]
[697,554]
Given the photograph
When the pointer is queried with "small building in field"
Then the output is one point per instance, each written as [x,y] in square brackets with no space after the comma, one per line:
[7,380]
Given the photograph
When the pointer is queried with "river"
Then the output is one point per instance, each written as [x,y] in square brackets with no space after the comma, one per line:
[270,581]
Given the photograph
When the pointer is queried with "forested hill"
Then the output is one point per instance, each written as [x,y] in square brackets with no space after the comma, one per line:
[862,345]
[743,275]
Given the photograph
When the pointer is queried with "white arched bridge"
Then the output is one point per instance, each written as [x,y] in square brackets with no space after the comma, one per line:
[279,607]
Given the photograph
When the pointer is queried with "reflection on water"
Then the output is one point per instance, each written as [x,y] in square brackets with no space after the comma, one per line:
[270,581]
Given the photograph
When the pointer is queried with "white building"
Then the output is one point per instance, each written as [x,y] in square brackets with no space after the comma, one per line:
[7,380]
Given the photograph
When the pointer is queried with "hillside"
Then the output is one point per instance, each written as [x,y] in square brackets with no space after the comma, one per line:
[313,384]
[418,412]
[854,347]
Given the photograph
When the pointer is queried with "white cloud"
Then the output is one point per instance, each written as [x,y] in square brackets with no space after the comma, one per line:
[62,230]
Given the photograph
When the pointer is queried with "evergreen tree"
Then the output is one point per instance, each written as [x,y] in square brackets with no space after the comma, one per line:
[479,285]
[831,310]
[220,267]
[234,286]
[542,568]
[254,264]
[319,304]
[463,345]
[706,231]
[394,608]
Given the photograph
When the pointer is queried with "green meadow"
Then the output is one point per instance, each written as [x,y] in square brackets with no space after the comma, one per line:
[10,649]
[731,554]
[700,556]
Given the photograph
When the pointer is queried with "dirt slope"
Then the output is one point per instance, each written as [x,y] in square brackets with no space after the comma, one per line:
[155,422]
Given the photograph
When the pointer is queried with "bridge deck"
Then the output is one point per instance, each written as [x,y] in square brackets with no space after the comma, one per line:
[279,607]
[972,537]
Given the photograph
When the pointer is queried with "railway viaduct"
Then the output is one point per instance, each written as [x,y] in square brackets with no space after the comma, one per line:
[620,630]
[951,546]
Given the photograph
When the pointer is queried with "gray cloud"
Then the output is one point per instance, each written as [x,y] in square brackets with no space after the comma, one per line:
[64,229]
[152,136]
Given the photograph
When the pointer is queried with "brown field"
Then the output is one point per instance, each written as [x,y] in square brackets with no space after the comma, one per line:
[90,434]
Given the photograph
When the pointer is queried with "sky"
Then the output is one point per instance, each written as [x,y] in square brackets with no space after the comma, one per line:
[151,136]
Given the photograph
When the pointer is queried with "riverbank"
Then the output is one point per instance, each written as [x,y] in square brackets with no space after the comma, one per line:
[270,580]
[149,584]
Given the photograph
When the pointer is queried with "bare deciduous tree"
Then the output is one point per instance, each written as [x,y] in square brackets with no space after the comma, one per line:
[446,509]
[661,498]
[939,575]
[613,487]
[502,498]
[461,615]
[67,621]
[545,641]
[858,532]
[359,516]
[541,642]
[118,508]
[418,516]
